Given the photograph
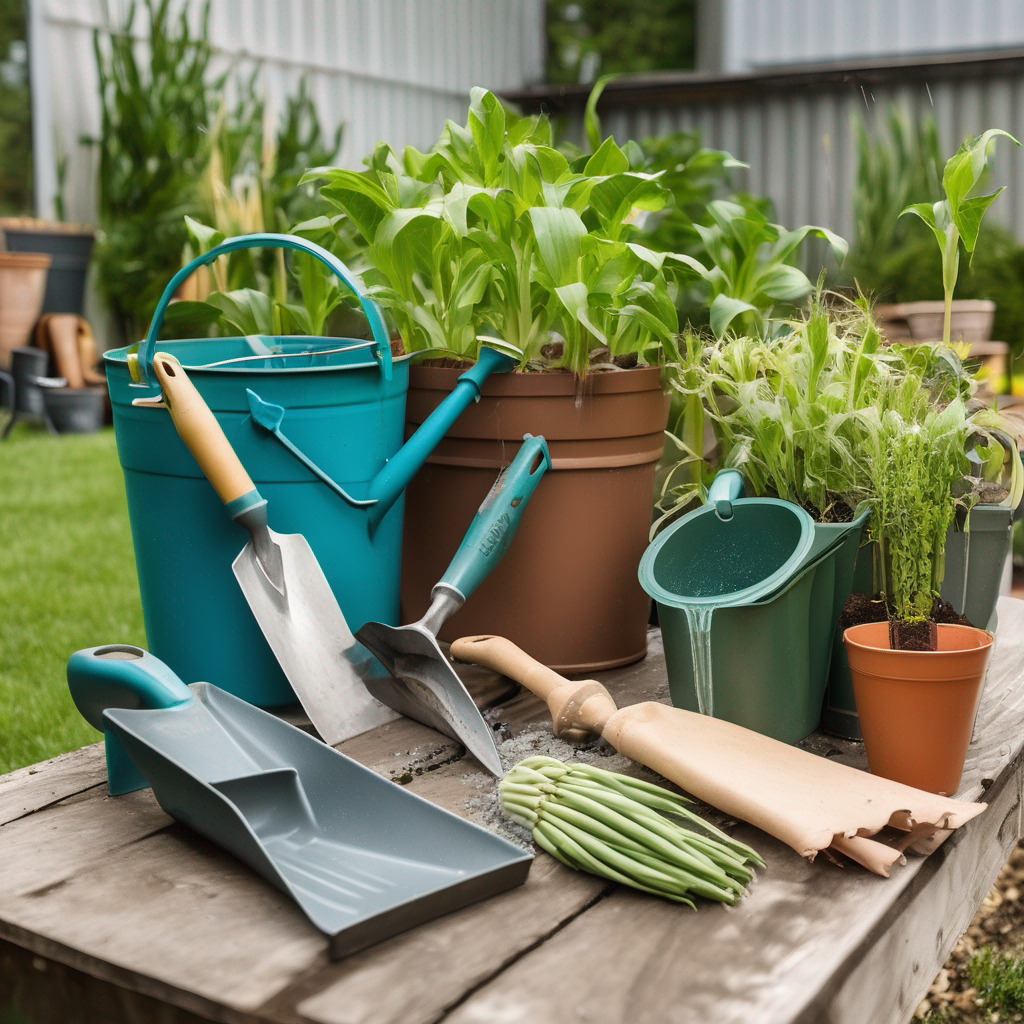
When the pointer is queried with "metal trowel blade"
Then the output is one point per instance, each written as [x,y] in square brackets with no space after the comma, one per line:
[423,686]
[311,640]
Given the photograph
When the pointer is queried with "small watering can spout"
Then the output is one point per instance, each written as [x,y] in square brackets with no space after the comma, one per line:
[396,475]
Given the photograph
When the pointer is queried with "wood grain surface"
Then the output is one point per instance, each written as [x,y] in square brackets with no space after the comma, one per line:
[117,909]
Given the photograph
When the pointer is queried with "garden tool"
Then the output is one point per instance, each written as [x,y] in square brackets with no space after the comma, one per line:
[808,802]
[422,684]
[344,402]
[279,576]
[363,858]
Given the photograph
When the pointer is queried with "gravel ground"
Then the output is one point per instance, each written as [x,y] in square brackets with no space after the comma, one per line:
[953,999]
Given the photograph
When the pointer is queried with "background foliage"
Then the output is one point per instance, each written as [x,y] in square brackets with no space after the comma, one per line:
[587,38]
[15,117]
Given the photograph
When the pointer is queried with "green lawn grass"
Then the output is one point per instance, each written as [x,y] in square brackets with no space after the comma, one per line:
[67,580]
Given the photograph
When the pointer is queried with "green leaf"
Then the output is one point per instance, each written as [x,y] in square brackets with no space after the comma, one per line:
[790,240]
[487,123]
[247,310]
[365,202]
[968,219]
[559,233]
[724,310]
[574,297]
[186,315]
[300,321]
[608,159]
[204,237]
[785,283]
[591,122]
[964,169]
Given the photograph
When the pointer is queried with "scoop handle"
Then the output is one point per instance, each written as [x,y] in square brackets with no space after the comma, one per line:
[203,435]
[122,676]
[498,518]
[578,708]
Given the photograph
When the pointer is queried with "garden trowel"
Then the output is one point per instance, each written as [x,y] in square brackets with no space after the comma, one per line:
[423,685]
[808,802]
[279,576]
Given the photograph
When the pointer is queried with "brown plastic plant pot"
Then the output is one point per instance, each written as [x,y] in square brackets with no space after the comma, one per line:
[917,708]
[567,589]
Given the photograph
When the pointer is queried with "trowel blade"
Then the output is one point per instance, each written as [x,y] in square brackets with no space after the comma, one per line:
[423,686]
[311,640]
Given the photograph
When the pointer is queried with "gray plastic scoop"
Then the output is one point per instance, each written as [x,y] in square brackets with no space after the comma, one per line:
[364,858]
[423,685]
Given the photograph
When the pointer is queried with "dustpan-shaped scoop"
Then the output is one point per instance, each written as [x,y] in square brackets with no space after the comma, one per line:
[733,550]
[363,858]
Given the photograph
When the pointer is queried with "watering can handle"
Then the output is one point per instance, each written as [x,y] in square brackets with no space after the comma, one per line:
[498,518]
[147,349]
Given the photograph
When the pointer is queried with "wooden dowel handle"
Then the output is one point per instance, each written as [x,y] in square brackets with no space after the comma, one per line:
[577,707]
[199,429]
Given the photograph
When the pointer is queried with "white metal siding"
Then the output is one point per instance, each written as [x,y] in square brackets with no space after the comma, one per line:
[801,149]
[390,69]
[772,32]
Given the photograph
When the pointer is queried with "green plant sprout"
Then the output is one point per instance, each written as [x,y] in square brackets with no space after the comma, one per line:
[957,218]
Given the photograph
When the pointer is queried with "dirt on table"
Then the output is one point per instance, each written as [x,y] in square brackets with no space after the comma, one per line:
[999,927]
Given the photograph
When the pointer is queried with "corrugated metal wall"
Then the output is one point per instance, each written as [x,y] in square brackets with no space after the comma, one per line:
[800,145]
[391,69]
[773,32]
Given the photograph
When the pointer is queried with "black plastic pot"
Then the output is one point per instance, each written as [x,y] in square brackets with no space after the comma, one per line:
[74,410]
[70,247]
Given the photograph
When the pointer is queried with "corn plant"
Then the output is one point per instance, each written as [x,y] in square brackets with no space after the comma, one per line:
[494,228]
[957,218]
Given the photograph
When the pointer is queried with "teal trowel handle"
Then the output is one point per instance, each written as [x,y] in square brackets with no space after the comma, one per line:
[389,483]
[122,676]
[497,520]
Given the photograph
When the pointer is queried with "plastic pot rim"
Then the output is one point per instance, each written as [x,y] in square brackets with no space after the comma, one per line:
[764,588]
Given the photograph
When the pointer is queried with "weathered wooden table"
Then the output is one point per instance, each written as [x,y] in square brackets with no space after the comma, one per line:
[109,911]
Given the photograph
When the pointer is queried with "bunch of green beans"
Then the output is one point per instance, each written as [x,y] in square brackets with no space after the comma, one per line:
[615,826]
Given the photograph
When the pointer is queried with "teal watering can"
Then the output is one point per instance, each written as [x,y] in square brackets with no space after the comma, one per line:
[319,425]
[774,583]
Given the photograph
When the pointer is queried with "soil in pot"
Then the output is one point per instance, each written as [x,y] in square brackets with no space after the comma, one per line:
[567,590]
[917,708]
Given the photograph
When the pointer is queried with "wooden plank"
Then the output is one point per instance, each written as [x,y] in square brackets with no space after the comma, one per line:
[911,943]
[415,977]
[39,785]
[802,925]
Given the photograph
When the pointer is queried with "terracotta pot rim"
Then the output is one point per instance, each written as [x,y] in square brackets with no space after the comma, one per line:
[442,378]
[941,626]
[25,260]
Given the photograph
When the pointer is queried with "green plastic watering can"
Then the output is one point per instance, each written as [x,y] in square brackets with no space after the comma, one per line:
[319,424]
[776,581]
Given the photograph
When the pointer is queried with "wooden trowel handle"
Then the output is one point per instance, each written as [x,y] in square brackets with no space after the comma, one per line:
[577,707]
[200,431]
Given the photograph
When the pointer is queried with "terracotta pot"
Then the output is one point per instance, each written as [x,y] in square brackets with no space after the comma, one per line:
[22,285]
[917,708]
[971,320]
[567,590]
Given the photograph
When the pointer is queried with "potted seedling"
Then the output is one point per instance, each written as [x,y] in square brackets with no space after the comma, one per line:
[917,682]
[975,570]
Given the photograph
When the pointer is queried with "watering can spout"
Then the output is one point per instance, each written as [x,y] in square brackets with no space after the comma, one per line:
[396,475]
